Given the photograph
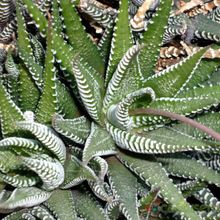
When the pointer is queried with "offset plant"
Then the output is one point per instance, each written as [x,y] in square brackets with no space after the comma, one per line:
[120,150]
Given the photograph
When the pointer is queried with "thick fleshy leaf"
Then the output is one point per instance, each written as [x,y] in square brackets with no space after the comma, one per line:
[125,69]
[98,189]
[76,172]
[98,143]
[64,53]
[184,166]
[91,88]
[156,142]
[28,99]
[210,119]
[172,80]
[9,113]
[11,81]
[42,213]
[9,161]
[205,100]
[123,181]
[15,215]
[153,39]
[104,44]
[25,51]
[202,72]
[86,205]
[206,28]
[16,142]
[47,137]
[190,185]
[49,170]
[7,8]
[118,114]
[209,215]
[122,39]
[18,181]
[61,204]
[156,176]
[78,38]
[38,49]
[37,15]
[56,18]
[112,209]
[76,129]
[25,197]
[103,166]
[103,16]
[47,105]
[66,104]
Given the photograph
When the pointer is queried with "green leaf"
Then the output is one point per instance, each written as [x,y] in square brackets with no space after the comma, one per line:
[206,28]
[37,15]
[124,186]
[61,204]
[206,197]
[78,37]
[171,81]
[76,172]
[25,51]
[76,129]
[112,209]
[211,120]
[103,16]
[25,197]
[28,98]
[41,213]
[209,215]
[9,161]
[86,205]
[190,187]
[104,44]
[156,142]
[122,39]
[148,200]
[98,143]
[182,165]
[203,92]
[15,215]
[47,137]
[47,105]
[20,180]
[118,114]
[38,50]
[202,72]
[186,106]
[12,77]
[102,166]
[56,19]
[154,174]
[66,104]
[9,113]
[16,142]
[213,80]
[98,188]
[91,88]
[152,39]
[125,79]
[49,170]
[64,55]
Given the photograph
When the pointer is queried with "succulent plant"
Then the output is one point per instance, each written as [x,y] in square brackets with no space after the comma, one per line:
[90,132]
